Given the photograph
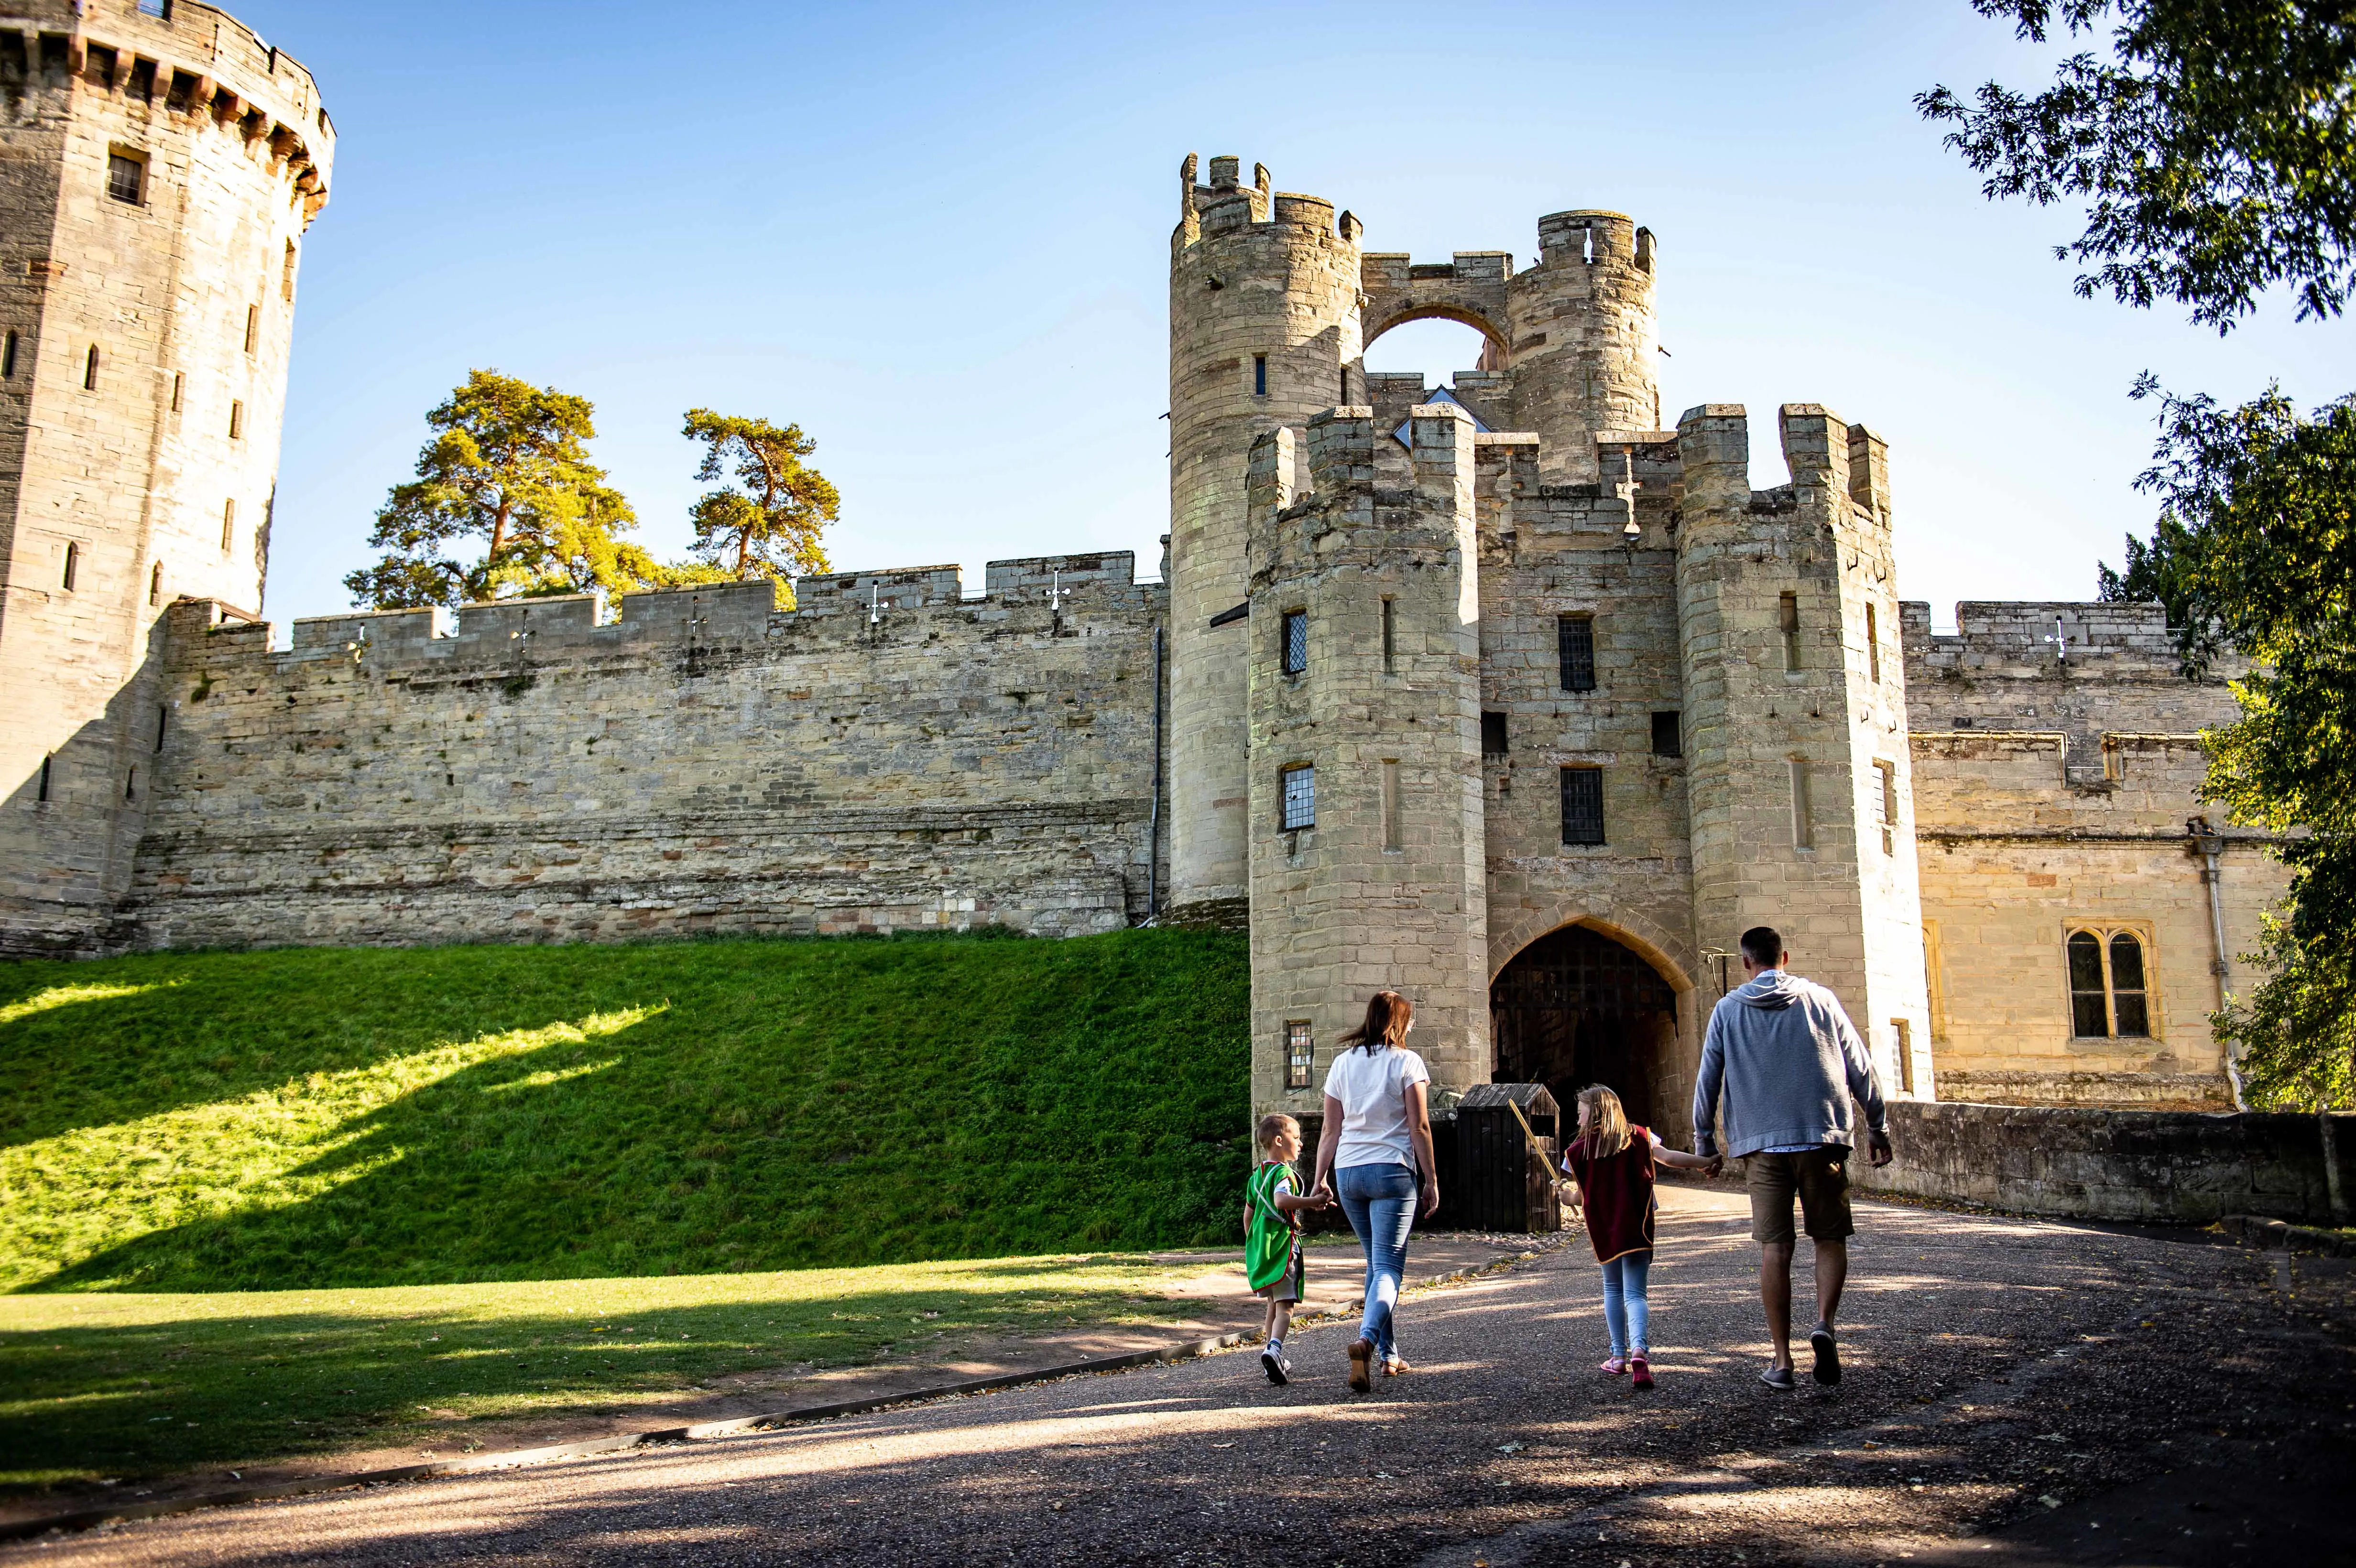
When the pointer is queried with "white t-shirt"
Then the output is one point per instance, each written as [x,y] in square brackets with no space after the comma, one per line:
[1373,1092]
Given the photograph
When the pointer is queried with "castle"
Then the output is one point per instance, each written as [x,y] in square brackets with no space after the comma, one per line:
[1509,694]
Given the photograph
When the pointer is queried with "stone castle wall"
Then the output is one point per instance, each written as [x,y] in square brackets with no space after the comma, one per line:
[2053,782]
[149,305]
[889,756]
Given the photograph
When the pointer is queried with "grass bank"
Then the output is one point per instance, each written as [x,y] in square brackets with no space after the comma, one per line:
[322,1118]
[126,1385]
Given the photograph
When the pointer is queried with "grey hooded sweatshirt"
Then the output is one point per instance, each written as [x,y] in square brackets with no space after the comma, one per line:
[1787,1061]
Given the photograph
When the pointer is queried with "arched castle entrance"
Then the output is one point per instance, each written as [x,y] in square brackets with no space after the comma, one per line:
[1576,1008]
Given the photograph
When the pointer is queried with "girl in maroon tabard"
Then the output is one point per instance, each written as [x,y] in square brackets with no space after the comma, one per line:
[1611,1164]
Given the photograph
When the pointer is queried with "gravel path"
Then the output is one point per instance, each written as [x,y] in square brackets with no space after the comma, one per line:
[1994,1364]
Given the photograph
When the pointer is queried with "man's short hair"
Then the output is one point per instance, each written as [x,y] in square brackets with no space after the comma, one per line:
[1763,945]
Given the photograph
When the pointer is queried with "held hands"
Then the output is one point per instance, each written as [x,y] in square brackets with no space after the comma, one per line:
[1717,1163]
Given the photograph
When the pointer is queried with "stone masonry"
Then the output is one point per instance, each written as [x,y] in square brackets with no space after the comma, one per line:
[1506,694]
[159,172]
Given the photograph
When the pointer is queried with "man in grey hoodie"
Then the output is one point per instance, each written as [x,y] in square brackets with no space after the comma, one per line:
[1787,1061]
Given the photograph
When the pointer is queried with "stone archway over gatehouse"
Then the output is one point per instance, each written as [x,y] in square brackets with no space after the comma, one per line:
[1583,1001]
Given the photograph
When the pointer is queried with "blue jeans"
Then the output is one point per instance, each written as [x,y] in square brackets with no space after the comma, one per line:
[1380,1201]
[1625,1311]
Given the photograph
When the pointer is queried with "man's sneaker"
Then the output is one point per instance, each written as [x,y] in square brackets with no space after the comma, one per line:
[1640,1371]
[1828,1354]
[1273,1362]
[1779,1378]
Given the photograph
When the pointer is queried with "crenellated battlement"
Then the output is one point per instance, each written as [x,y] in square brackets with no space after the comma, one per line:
[199,65]
[1993,636]
[1227,206]
[543,630]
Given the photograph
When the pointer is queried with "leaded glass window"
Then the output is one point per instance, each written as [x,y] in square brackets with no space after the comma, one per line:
[1298,793]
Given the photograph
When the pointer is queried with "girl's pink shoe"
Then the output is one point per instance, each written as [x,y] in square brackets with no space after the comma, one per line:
[1617,1366]
[1640,1371]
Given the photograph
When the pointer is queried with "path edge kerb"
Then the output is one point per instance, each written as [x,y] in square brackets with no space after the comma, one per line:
[696,1432]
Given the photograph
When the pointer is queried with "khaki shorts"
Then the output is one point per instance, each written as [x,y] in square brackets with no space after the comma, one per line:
[1819,1178]
[1288,1288]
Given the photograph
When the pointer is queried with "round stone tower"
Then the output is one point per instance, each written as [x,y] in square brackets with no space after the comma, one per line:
[160,170]
[1584,339]
[1263,332]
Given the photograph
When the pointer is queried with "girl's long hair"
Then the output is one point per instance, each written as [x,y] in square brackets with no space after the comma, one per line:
[1388,1015]
[1607,1123]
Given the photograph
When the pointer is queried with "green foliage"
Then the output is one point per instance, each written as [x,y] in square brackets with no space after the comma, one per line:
[2214,148]
[323,1117]
[509,469]
[2257,537]
[769,524]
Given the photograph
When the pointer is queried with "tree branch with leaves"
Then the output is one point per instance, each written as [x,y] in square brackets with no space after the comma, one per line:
[767,522]
[2214,148]
[507,470]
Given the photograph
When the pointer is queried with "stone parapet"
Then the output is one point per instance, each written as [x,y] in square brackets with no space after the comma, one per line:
[2164,1166]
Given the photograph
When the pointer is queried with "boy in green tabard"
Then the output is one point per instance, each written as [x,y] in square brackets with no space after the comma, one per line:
[1272,1263]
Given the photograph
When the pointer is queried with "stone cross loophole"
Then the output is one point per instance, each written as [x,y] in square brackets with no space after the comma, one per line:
[1626,490]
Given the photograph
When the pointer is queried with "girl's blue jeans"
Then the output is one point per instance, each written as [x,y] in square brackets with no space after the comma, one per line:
[1625,1311]
[1380,1201]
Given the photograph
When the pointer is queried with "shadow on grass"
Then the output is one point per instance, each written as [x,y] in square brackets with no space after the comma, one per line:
[224,1387]
[791,1105]
[94,1044]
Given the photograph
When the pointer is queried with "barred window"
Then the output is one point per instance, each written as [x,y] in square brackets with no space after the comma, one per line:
[1574,637]
[1583,805]
[2108,987]
[1298,791]
[126,177]
[1885,805]
[1296,640]
[1299,1052]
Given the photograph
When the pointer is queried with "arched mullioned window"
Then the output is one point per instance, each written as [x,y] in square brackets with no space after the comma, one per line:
[2109,986]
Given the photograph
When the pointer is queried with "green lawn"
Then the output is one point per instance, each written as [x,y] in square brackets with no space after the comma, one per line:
[128,1385]
[310,1118]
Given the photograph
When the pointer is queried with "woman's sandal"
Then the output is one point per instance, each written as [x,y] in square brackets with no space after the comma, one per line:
[1617,1366]
[1362,1351]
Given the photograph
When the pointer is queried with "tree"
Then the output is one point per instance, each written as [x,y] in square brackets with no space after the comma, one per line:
[508,466]
[768,524]
[2258,536]
[2214,148]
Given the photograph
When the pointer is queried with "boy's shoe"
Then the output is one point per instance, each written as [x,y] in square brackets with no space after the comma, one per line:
[1274,1363]
[1362,1353]
[1640,1371]
[1395,1365]
[1828,1354]
[1779,1378]
[1616,1365]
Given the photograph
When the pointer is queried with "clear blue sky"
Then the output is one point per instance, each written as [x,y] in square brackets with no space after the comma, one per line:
[937,239]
